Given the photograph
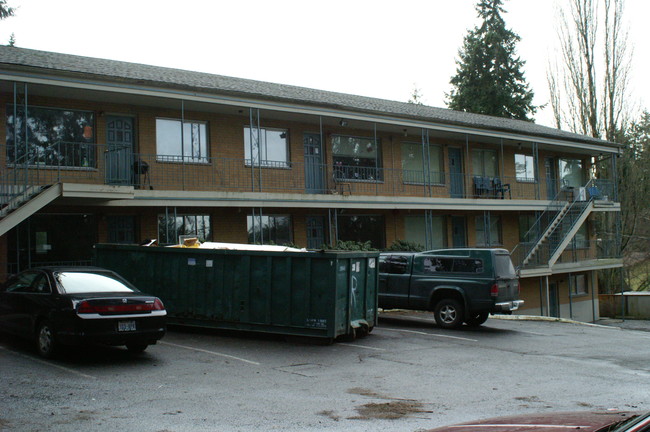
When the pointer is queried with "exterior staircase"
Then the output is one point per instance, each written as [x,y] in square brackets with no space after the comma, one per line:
[22,194]
[554,229]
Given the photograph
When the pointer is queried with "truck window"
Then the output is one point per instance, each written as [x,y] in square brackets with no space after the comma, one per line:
[503,267]
[468,265]
[394,264]
[437,265]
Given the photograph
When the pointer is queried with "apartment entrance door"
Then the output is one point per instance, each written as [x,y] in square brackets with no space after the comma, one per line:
[551,178]
[119,150]
[315,232]
[314,181]
[458,233]
[554,304]
[456,176]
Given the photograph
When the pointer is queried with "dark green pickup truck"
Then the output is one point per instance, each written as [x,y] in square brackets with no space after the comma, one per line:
[458,285]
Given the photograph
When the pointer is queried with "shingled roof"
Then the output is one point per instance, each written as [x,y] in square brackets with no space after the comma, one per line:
[169,78]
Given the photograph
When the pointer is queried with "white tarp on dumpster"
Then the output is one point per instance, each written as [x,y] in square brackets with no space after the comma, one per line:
[249,247]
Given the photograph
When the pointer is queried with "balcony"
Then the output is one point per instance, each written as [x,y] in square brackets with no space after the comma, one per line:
[96,164]
[580,255]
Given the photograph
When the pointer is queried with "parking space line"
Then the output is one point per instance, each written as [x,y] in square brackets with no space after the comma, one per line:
[210,352]
[427,334]
[360,346]
[37,360]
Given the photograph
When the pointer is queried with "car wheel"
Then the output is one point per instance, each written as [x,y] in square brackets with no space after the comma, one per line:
[449,313]
[45,342]
[136,348]
[477,319]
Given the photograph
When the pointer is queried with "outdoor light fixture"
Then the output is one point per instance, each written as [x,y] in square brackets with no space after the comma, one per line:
[405,133]
[343,123]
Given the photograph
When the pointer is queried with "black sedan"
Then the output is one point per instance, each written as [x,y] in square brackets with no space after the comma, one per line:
[79,305]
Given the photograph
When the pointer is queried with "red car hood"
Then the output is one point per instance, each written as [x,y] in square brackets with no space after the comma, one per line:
[587,421]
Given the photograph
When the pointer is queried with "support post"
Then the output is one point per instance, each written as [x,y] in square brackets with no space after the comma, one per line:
[570,295]
[548,298]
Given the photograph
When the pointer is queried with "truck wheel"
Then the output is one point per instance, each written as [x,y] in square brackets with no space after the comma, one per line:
[449,313]
[477,319]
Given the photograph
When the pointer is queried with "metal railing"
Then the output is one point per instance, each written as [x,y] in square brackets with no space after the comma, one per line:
[83,163]
[538,230]
[550,230]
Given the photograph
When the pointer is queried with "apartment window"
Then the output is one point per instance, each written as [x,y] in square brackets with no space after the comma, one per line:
[415,231]
[485,163]
[581,239]
[181,141]
[171,228]
[269,229]
[526,224]
[271,150]
[356,158]
[571,173]
[413,165]
[362,228]
[121,229]
[579,285]
[525,168]
[55,137]
[488,230]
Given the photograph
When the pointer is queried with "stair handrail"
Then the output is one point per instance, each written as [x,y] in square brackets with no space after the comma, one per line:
[556,204]
[10,180]
[577,199]
[530,245]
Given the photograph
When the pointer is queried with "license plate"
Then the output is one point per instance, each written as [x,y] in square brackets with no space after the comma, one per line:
[125,326]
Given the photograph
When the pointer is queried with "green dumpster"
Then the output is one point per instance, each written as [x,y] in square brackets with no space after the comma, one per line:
[316,294]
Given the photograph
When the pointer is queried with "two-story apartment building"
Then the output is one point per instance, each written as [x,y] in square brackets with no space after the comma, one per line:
[105,151]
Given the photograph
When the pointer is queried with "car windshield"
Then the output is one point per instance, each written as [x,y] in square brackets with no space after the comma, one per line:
[84,282]
[503,266]
[629,424]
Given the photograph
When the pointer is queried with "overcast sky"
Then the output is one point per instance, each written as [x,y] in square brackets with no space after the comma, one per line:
[373,48]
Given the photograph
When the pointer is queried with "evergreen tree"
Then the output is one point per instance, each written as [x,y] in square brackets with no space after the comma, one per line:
[5,10]
[489,77]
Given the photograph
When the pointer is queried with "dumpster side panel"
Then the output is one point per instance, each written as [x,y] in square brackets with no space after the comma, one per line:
[305,293]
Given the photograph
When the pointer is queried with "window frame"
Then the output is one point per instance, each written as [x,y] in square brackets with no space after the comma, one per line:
[248,161]
[482,152]
[10,131]
[344,170]
[574,285]
[420,220]
[378,219]
[182,158]
[437,177]
[563,182]
[480,240]
[207,235]
[526,179]
[266,240]
[531,219]
[582,243]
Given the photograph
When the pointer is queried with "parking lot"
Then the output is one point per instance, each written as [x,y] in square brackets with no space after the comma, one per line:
[408,375]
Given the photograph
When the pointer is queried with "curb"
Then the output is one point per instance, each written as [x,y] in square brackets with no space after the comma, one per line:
[549,319]
[409,314]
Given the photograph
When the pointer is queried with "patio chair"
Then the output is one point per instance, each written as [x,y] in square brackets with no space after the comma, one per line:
[594,193]
[341,183]
[481,185]
[500,188]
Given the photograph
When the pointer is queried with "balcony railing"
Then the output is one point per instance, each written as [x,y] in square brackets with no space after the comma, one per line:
[578,251]
[98,164]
